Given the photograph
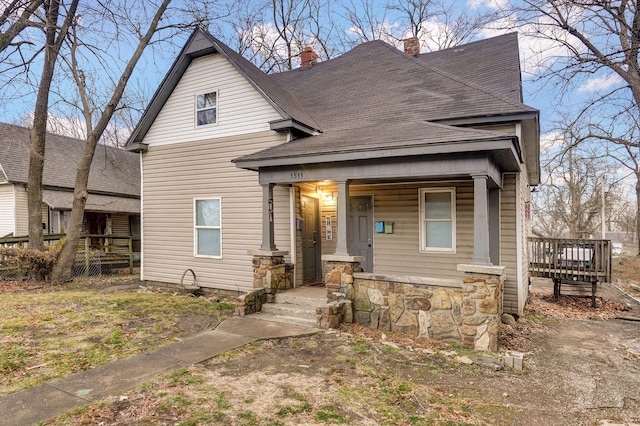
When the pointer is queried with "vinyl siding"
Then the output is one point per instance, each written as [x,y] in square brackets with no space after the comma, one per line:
[399,253]
[508,242]
[525,232]
[241,109]
[7,210]
[22,212]
[176,174]
[120,226]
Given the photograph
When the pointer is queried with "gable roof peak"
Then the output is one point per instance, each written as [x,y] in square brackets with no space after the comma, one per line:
[202,43]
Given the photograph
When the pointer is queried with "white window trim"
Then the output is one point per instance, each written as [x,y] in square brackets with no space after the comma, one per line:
[195,228]
[197,110]
[422,242]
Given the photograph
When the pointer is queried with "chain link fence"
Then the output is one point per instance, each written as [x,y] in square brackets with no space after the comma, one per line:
[87,264]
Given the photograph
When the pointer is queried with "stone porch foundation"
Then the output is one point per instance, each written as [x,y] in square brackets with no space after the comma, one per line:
[467,310]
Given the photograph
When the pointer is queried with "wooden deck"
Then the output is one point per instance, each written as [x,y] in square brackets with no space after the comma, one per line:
[571,261]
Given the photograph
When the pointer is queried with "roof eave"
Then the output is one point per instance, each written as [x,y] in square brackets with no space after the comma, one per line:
[487,119]
[137,147]
[292,124]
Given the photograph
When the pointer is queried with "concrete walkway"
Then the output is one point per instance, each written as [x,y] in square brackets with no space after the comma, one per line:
[46,401]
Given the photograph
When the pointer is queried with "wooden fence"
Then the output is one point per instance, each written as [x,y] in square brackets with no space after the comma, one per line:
[105,249]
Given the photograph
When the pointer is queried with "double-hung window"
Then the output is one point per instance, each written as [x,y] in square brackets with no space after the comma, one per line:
[438,220]
[206,108]
[207,227]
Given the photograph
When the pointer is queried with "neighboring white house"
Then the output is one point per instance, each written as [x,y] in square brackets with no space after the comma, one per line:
[113,204]
[412,163]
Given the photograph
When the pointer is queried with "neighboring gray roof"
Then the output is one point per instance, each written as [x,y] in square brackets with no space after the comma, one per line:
[113,171]
[63,200]
[202,43]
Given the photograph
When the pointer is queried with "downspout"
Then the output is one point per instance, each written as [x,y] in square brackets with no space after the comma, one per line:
[141,219]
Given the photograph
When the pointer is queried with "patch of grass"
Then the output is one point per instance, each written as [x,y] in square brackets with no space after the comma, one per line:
[176,404]
[184,377]
[329,414]
[359,348]
[65,329]
[247,418]
[293,409]
[221,401]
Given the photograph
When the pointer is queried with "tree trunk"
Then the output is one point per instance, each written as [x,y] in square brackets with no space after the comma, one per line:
[39,130]
[63,269]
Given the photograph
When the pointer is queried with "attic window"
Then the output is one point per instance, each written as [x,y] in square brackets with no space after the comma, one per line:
[206,108]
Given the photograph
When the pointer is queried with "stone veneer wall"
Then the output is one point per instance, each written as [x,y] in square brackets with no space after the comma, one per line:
[271,273]
[467,310]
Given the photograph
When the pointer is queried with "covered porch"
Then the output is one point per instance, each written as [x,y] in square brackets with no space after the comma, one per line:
[410,244]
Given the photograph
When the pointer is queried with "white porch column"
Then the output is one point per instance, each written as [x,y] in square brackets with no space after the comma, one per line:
[481,254]
[268,243]
[343,217]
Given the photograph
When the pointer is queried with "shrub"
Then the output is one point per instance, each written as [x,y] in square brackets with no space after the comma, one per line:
[32,264]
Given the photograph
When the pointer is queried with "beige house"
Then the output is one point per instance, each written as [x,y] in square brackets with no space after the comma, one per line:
[414,168]
[113,204]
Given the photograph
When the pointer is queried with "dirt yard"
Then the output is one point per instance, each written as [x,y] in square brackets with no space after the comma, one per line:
[582,367]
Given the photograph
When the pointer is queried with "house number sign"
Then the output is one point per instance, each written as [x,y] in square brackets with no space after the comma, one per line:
[329,228]
[296,175]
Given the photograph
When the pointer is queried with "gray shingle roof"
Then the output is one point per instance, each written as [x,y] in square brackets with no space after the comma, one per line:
[499,74]
[376,97]
[113,171]
[376,84]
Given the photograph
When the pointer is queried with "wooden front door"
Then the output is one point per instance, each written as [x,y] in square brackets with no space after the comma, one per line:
[311,263]
[361,230]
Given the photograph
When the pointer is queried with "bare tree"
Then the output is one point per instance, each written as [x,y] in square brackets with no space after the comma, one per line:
[437,24]
[569,203]
[600,42]
[15,17]
[272,34]
[103,113]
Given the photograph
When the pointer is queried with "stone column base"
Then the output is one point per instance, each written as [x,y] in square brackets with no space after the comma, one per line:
[481,306]
[271,273]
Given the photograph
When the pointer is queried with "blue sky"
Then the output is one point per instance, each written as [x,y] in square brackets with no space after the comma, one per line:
[539,93]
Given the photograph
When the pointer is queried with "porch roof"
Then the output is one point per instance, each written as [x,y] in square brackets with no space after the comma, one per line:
[63,200]
[384,143]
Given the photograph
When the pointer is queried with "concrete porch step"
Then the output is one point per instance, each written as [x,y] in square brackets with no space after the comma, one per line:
[290,310]
[303,296]
[295,306]
[304,322]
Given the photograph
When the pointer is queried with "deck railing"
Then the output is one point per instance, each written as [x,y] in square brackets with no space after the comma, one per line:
[570,259]
[107,249]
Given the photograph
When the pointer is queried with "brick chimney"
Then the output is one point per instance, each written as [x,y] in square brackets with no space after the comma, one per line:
[308,57]
[412,46]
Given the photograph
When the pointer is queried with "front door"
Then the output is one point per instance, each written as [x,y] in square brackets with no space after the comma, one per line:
[361,230]
[310,239]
